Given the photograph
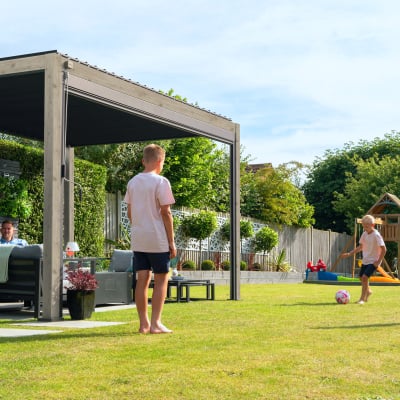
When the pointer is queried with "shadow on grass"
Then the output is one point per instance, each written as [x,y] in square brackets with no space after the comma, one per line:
[367,326]
[310,304]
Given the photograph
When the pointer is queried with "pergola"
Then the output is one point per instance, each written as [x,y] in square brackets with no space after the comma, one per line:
[65,103]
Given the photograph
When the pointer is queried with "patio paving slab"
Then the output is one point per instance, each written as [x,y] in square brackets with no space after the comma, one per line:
[16,313]
[14,333]
[84,324]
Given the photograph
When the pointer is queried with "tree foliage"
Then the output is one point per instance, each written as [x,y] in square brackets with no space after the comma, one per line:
[121,160]
[246,230]
[89,220]
[199,173]
[199,226]
[326,180]
[197,168]
[14,198]
[270,195]
[265,240]
[372,178]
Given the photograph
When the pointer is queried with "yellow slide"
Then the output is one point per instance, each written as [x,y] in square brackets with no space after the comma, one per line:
[384,278]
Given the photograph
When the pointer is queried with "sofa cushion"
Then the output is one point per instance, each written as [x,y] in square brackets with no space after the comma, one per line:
[121,261]
[28,252]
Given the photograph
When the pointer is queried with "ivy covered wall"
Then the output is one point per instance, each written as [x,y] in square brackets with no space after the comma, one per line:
[89,192]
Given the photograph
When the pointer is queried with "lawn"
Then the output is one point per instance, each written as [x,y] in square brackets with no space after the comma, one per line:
[280,341]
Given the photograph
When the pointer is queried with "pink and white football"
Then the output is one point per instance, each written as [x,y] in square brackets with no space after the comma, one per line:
[342,297]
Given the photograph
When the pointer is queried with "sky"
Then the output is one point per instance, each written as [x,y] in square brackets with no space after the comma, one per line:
[301,77]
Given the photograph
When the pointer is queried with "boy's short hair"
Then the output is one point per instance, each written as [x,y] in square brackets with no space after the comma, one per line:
[368,219]
[153,152]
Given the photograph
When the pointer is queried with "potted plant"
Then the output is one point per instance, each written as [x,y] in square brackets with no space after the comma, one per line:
[80,292]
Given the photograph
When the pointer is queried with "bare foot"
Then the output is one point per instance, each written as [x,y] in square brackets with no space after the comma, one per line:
[160,329]
[368,294]
[144,330]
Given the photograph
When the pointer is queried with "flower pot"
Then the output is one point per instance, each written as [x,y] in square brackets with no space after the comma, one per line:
[80,303]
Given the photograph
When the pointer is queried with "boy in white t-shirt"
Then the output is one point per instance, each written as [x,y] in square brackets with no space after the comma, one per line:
[373,249]
[149,197]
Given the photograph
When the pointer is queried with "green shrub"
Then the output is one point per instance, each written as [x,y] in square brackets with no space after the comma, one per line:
[226,265]
[257,266]
[14,198]
[189,265]
[208,265]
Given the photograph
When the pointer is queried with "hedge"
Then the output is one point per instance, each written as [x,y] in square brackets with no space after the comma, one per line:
[89,208]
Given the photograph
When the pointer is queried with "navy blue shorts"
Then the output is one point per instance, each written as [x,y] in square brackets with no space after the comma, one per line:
[156,262]
[367,270]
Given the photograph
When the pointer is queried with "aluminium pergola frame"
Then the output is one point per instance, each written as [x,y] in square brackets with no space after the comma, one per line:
[65,103]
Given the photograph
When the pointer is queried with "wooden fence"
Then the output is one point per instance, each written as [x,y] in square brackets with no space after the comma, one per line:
[300,244]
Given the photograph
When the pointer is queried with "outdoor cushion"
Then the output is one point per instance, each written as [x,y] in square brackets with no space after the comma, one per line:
[121,261]
[32,251]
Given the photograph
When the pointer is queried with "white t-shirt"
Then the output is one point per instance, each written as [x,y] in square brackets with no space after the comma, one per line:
[145,193]
[371,244]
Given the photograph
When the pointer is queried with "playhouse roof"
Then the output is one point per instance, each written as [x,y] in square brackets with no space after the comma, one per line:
[385,201]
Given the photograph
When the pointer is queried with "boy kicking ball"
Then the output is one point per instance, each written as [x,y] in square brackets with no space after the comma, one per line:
[373,251]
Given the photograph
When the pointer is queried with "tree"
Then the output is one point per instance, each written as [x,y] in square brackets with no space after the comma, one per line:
[373,177]
[121,160]
[198,175]
[265,240]
[327,176]
[199,226]
[197,169]
[246,230]
[273,198]
[250,199]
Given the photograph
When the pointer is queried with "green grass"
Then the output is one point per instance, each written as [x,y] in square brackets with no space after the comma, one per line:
[282,341]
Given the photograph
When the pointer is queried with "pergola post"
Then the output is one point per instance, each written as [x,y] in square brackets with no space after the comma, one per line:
[69,186]
[53,192]
[235,215]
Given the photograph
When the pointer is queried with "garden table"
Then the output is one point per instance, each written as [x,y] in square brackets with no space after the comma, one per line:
[186,284]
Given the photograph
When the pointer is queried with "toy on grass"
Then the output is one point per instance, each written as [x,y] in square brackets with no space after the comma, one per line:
[321,266]
[342,296]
